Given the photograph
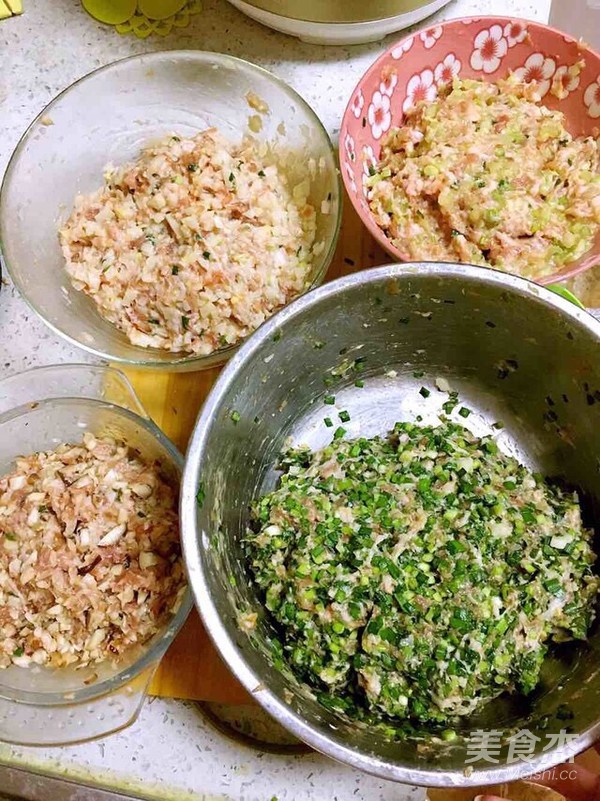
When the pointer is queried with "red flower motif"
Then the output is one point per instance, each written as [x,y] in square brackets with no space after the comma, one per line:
[565,81]
[515,32]
[389,79]
[447,69]
[537,68]
[357,104]
[591,99]
[490,48]
[430,36]
[379,114]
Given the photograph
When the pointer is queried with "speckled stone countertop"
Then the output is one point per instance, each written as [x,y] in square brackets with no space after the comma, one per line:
[171,752]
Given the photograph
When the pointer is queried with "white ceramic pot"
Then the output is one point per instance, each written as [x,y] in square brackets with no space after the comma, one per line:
[339,33]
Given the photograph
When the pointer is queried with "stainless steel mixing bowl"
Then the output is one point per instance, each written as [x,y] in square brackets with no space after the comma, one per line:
[516,353]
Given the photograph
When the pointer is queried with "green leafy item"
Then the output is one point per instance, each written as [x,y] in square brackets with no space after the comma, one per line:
[418,575]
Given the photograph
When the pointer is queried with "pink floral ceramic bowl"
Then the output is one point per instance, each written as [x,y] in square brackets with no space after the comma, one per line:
[482,48]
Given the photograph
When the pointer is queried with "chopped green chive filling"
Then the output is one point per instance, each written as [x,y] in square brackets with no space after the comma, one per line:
[413,577]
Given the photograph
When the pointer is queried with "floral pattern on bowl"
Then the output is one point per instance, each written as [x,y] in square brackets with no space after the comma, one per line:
[482,48]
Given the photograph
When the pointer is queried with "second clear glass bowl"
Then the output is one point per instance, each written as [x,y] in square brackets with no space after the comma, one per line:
[39,409]
[106,118]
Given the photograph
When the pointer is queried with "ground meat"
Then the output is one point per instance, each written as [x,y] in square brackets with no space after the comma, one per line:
[90,562]
[194,245]
[486,174]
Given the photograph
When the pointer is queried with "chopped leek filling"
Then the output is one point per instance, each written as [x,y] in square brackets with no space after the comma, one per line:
[418,575]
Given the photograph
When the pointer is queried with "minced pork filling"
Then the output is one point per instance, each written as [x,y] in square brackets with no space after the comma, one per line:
[485,174]
[417,575]
[90,560]
[194,245]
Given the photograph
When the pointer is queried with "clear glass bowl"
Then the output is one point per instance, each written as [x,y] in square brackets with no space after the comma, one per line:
[107,117]
[39,409]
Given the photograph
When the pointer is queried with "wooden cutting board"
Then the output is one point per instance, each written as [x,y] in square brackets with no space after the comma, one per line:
[192,669]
